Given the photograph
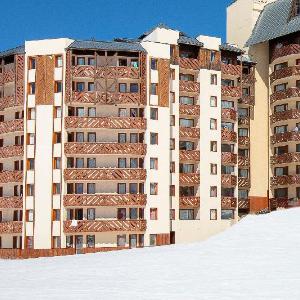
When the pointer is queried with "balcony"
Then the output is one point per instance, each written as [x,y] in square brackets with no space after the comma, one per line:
[104,174]
[244,141]
[228,180]
[105,226]
[189,178]
[286,158]
[229,136]
[231,91]
[189,110]
[244,204]
[284,203]
[228,203]
[244,182]
[105,123]
[189,132]
[186,202]
[244,121]
[290,114]
[8,74]
[229,158]
[11,227]
[289,136]
[11,151]
[189,63]
[285,72]
[285,180]
[231,70]
[105,148]
[243,161]
[11,202]
[292,92]
[285,51]
[11,126]
[10,101]
[247,100]
[228,114]
[105,200]
[248,79]
[11,176]
[189,86]
[189,155]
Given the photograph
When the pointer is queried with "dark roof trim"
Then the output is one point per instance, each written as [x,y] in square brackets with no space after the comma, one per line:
[231,48]
[13,51]
[183,39]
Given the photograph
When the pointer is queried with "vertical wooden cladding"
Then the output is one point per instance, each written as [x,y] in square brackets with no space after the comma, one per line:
[143,76]
[163,82]
[68,81]
[45,80]
[162,239]
[20,70]
[204,57]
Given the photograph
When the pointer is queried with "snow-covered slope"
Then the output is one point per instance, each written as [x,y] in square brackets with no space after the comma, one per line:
[257,259]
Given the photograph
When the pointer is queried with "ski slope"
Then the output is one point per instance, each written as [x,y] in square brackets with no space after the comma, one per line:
[259,258]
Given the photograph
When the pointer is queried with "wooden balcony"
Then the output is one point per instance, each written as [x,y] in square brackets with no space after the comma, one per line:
[228,114]
[286,158]
[244,141]
[105,123]
[285,180]
[189,132]
[104,174]
[244,204]
[189,63]
[229,203]
[231,91]
[244,182]
[105,148]
[244,121]
[286,51]
[189,155]
[11,126]
[229,158]
[189,86]
[290,114]
[289,136]
[285,72]
[105,226]
[244,161]
[8,75]
[276,203]
[11,176]
[248,79]
[11,151]
[247,100]
[83,71]
[231,70]
[11,227]
[10,101]
[189,110]
[189,178]
[11,202]
[229,136]
[228,180]
[190,202]
[97,200]
[293,92]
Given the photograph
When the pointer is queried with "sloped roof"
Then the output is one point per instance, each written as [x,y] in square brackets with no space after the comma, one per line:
[274,22]
[16,50]
[232,48]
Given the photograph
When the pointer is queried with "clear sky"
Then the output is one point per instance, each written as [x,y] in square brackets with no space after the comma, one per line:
[106,19]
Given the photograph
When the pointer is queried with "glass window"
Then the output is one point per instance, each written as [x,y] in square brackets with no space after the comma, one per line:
[213,146]
[122,112]
[79,137]
[32,88]
[122,62]
[122,163]
[186,100]
[133,213]
[134,63]
[186,214]
[243,132]
[133,188]
[80,61]
[121,214]
[90,241]
[152,239]
[91,189]
[243,112]
[91,86]
[280,87]
[153,138]
[280,66]
[281,193]
[134,163]
[91,162]
[153,213]
[280,129]
[133,138]
[213,79]
[243,173]
[58,61]
[186,145]
[58,112]
[213,214]
[121,188]
[91,61]
[122,87]
[227,126]
[213,191]
[243,194]
[79,86]
[58,87]
[186,168]
[186,122]
[153,163]
[153,90]
[227,214]
[153,113]
[134,88]
[79,163]
[133,112]
[78,188]
[153,188]
[121,240]
[153,64]
[280,108]
[186,77]
[91,137]
[91,213]
[213,101]
[122,137]
[227,104]
[213,169]
[213,124]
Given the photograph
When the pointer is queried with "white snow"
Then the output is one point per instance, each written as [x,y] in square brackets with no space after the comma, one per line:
[257,259]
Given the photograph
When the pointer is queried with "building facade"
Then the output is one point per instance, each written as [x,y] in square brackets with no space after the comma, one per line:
[128,143]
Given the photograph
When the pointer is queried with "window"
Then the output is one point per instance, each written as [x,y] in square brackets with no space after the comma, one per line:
[213,169]
[213,191]
[134,163]
[57,112]
[280,87]
[227,214]
[122,163]
[91,188]
[122,87]
[56,215]
[172,167]
[121,240]
[133,188]
[172,190]
[57,87]
[186,77]
[56,188]
[134,63]
[243,112]
[91,162]
[32,63]
[186,168]
[243,132]
[281,193]
[134,88]
[172,144]
[246,91]
[172,214]
[152,238]
[186,214]
[79,137]
[186,145]
[213,124]
[80,61]
[213,101]
[172,97]
[122,137]
[91,86]
[172,120]
[91,61]
[153,63]
[186,191]
[79,86]
[213,79]
[227,169]
[56,162]
[121,188]
[186,100]
[213,214]
[78,188]
[121,213]
[58,61]
[153,188]
[186,122]
[92,137]
[153,90]
[213,146]
[243,194]
[134,112]
[57,138]
[281,171]
[153,113]
[280,66]
[228,82]
[243,173]
[30,163]
[122,62]
[79,163]
[227,104]
[212,56]
[31,114]
[80,112]
[31,88]
[90,241]
[153,163]
[134,138]
[91,213]
[29,215]
[172,74]
[280,129]
[122,112]
[153,138]
[153,213]
[92,111]
[31,139]
[227,126]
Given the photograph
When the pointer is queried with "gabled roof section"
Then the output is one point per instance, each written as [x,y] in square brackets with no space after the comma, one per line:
[109,46]
[13,51]
[231,48]
[160,25]
[274,21]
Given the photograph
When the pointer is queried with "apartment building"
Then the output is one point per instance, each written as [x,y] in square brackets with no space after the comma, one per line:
[128,143]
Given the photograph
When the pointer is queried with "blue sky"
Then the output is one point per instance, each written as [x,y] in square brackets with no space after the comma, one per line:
[104,20]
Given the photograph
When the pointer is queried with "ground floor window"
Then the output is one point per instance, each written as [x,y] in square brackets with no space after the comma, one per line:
[56,242]
[227,214]
[152,239]
[90,241]
[213,214]
[69,241]
[186,214]
[121,240]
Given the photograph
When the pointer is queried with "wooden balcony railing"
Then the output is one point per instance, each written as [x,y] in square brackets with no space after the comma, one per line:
[232,70]
[286,158]
[190,110]
[247,100]
[228,180]
[189,178]
[8,74]
[248,79]
[97,200]
[228,114]
[244,203]
[245,121]
[105,122]
[285,180]
[11,227]
[229,203]
[11,126]
[104,174]
[11,176]
[289,136]
[189,63]
[189,202]
[105,148]
[10,101]
[292,92]
[11,151]
[285,72]
[189,86]
[189,132]
[189,155]
[104,226]
[231,91]
[284,203]
[243,161]
[290,114]
[244,182]
[229,136]
[229,158]
[285,51]
[11,202]
[244,141]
